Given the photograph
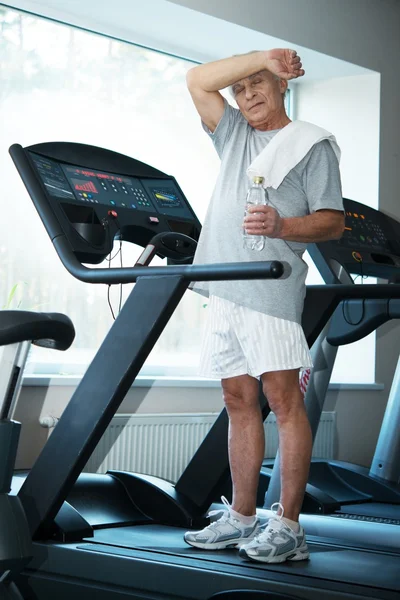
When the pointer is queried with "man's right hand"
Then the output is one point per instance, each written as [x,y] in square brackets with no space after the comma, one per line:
[284,63]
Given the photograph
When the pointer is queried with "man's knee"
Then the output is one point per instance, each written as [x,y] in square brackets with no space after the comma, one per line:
[280,403]
[240,394]
[283,394]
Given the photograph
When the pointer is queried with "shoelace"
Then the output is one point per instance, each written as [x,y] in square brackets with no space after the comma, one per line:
[275,508]
[225,515]
[273,526]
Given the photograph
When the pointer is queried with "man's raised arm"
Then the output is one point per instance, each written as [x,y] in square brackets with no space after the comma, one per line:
[205,81]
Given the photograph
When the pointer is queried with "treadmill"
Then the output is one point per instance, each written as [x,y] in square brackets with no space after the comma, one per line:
[370,246]
[119,535]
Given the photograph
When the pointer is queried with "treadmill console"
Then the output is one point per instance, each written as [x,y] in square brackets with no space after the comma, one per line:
[370,245]
[97,195]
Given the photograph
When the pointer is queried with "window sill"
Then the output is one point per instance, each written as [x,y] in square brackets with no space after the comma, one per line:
[165,381]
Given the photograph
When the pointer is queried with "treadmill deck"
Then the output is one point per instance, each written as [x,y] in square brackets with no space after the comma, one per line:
[328,560]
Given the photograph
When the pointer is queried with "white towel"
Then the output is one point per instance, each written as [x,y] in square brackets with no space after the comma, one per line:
[286,149]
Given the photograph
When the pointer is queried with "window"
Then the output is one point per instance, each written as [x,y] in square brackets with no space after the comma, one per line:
[60,83]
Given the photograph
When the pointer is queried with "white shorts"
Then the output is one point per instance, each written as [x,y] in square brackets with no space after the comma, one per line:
[240,341]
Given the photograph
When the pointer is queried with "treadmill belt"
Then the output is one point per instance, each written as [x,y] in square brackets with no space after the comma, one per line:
[371,511]
[328,562]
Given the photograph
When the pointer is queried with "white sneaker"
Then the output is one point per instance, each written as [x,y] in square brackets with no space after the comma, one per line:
[277,542]
[226,532]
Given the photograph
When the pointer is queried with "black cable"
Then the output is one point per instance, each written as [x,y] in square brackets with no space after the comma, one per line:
[111,258]
[109,301]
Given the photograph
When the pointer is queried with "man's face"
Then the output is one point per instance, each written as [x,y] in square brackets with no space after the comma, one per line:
[259,97]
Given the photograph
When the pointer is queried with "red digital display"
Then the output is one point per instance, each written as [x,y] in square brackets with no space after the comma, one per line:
[98,175]
[84,187]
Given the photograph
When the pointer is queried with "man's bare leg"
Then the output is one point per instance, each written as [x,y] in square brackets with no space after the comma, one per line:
[246,440]
[295,440]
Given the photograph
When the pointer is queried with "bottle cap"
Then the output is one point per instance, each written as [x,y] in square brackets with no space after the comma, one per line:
[258,179]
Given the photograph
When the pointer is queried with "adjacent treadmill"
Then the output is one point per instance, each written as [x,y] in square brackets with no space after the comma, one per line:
[370,246]
[119,536]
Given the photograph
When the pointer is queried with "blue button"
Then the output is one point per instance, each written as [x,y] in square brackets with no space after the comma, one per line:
[112,202]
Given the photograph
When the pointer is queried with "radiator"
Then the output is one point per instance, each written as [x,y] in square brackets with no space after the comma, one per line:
[163,445]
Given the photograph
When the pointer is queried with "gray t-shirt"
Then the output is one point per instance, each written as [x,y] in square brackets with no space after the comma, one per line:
[312,185]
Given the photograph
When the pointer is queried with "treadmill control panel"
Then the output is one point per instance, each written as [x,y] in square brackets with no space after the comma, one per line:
[364,230]
[370,245]
[89,186]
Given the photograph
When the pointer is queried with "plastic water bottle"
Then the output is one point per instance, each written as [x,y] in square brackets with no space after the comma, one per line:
[256,195]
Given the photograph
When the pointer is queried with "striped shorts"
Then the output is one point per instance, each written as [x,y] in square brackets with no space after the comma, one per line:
[240,341]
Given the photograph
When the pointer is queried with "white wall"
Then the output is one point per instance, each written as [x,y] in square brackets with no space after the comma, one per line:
[349,107]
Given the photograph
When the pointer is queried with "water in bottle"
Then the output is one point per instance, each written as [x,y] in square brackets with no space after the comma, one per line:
[256,195]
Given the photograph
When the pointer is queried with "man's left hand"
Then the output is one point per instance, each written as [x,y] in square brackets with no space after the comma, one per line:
[263,220]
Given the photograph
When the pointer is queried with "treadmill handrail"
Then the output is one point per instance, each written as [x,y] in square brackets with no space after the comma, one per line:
[212,272]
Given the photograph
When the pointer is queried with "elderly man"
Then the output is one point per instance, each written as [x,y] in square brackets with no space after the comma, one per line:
[254,327]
